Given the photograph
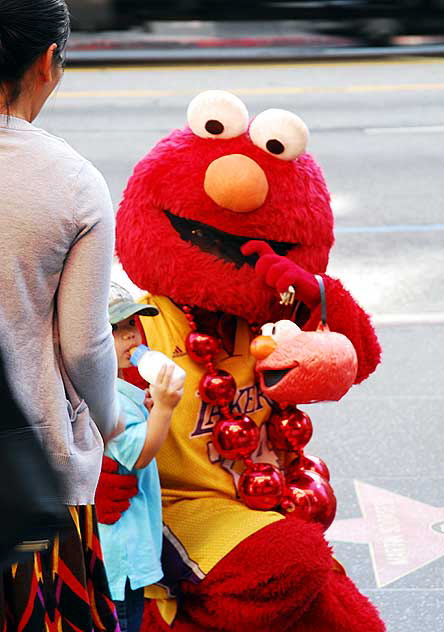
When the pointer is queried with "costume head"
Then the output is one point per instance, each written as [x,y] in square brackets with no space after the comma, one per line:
[207,189]
[300,367]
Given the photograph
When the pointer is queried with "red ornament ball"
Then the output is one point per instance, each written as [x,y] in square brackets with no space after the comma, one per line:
[310,498]
[218,387]
[236,437]
[261,486]
[290,430]
[201,347]
[316,464]
[307,462]
[295,467]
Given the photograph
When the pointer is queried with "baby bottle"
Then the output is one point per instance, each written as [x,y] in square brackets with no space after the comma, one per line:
[149,363]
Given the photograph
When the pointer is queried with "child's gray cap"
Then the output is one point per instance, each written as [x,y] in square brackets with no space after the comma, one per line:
[121,305]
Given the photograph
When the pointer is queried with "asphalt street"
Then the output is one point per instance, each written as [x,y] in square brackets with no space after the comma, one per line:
[377,129]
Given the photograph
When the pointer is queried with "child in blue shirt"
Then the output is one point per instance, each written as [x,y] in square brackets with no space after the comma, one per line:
[132,546]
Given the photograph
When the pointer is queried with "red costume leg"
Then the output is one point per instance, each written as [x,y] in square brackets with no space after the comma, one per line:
[340,607]
[282,578]
[153,622]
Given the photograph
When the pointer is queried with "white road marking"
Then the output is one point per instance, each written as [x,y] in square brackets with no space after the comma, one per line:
[418,129]
[391,228]
[394,320]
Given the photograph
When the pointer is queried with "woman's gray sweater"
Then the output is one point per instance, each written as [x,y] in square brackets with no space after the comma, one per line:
[56,249]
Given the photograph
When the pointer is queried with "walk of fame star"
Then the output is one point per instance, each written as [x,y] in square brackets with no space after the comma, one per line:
[403,534]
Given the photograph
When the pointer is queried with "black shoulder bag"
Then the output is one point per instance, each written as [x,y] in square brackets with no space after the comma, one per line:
[31,509]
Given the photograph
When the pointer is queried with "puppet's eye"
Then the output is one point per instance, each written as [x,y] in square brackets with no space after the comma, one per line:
[280,133]
[217,114]
[269,329]
[282,331]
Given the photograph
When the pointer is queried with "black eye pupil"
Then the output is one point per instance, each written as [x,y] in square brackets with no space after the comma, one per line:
[214,127]
[275,146]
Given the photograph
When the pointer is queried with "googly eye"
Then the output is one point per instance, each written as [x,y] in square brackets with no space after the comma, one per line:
[280,133]
[268,329]
[282,331]
[217,114]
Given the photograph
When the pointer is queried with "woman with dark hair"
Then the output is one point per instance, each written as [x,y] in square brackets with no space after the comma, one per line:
[56,248]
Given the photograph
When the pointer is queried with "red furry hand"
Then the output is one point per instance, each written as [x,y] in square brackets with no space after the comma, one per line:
[114,492]
[280,272]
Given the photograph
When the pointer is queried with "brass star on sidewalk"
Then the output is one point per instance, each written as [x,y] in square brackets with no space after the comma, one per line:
[403,534]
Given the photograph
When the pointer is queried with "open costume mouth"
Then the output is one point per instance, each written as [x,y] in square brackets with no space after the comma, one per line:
[273,376]
[221,244]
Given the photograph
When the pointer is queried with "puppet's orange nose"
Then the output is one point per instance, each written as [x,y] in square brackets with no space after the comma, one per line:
[262,346]
[236,183]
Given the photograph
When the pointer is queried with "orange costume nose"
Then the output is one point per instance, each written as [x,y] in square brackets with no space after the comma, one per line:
[262,346]
[236,183]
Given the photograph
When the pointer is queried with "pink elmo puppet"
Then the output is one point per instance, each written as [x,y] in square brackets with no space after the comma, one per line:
[217,221]
[297,367]
[301,367]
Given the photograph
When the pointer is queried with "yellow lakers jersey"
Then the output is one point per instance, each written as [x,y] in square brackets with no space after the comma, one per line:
[201,507]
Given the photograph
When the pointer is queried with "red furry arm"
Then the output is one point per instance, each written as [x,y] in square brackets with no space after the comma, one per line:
[343,313]
[345,316]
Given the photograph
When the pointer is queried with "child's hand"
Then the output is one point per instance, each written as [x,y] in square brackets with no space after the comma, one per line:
[164,393]
[148,401]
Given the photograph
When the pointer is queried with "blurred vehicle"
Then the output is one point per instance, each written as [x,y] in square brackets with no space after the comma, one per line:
[92,15]
[374,21]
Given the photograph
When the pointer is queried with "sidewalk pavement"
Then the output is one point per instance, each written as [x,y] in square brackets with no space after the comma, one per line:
[229,40]
[207,35]
[185,40]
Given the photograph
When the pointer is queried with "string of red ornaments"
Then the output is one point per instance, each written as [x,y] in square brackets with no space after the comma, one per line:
[302,488]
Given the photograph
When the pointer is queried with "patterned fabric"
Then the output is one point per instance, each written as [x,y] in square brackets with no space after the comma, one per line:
[64,590]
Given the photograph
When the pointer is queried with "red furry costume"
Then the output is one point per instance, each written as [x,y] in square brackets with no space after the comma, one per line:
[179,237]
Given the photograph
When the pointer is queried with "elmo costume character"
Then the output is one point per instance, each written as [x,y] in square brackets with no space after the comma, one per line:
[217,221]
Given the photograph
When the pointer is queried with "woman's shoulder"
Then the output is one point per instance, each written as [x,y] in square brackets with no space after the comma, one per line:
[67,159]
[87,184]
[71,181]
